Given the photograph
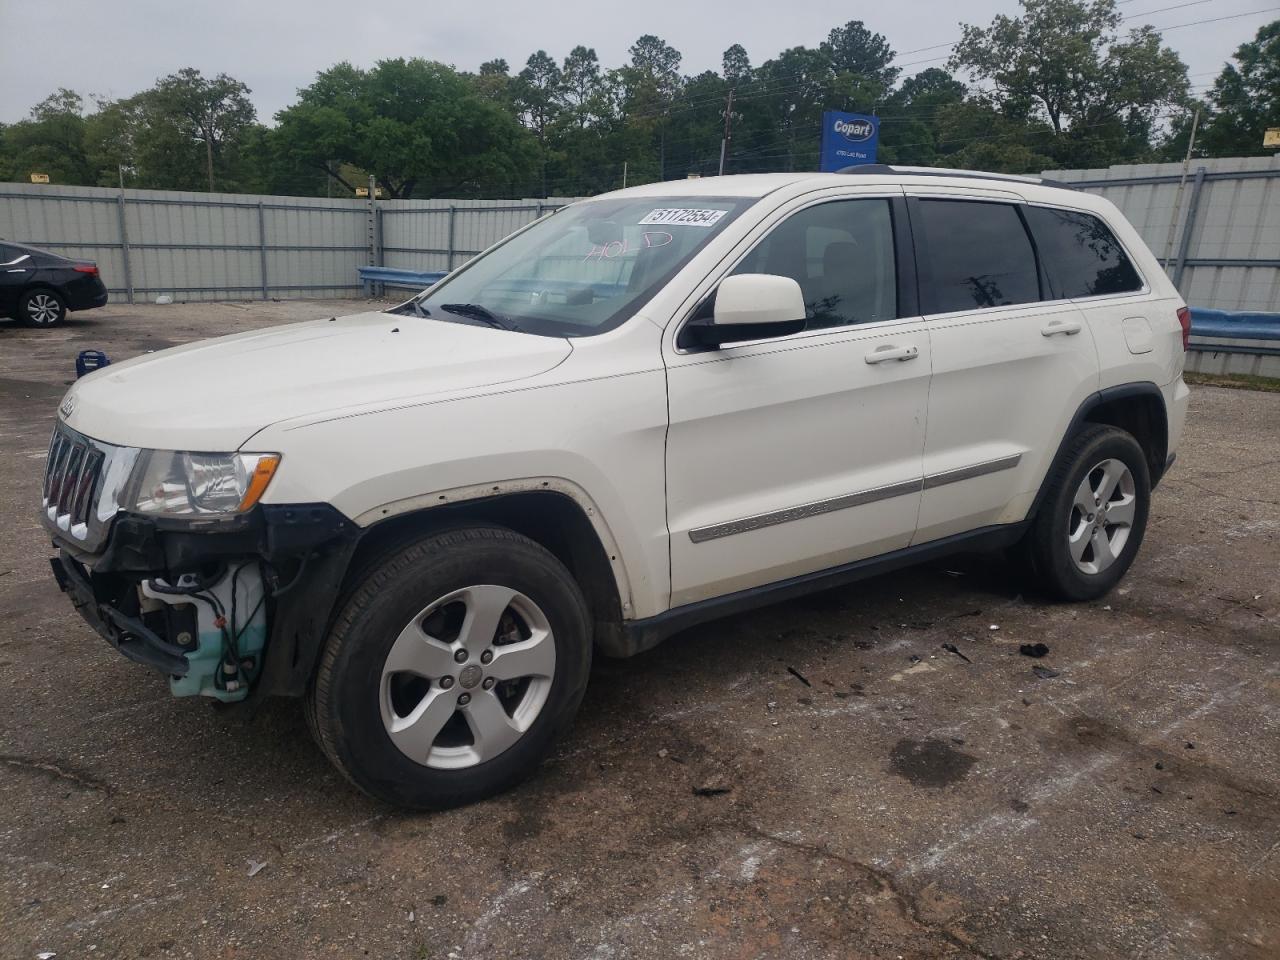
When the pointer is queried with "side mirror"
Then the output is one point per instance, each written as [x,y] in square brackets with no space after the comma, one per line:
[750,306]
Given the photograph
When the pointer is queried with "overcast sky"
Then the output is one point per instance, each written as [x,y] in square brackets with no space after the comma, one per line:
[118,47]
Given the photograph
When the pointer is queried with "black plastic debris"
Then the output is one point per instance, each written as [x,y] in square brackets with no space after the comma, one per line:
[1036,650]
[799,676]
[952,648]
[1044,673]
[710,791]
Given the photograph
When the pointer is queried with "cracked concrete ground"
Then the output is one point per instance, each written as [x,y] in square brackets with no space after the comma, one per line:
[854,802]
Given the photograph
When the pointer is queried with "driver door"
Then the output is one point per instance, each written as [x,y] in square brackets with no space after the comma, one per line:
[801,453]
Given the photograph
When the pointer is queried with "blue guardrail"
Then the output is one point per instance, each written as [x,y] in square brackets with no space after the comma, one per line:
[1234,324]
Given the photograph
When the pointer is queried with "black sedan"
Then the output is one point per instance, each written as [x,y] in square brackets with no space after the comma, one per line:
[38,288]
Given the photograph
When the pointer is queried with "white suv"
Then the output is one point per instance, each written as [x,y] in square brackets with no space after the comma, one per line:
[647,410]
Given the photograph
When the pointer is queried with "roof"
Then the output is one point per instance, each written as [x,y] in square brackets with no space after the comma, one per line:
[760,184]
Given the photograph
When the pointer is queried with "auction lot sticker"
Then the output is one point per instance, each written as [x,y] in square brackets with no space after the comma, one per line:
[682,217]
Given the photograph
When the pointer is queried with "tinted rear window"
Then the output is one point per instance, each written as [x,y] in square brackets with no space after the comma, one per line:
[979,256]
[1081,256]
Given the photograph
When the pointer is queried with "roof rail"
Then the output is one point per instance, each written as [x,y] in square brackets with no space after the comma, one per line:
[882,169]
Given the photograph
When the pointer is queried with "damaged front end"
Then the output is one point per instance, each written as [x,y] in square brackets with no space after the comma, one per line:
[225,606]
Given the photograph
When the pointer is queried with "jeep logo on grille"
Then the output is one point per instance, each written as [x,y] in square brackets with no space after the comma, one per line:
[855,131]
[68,404]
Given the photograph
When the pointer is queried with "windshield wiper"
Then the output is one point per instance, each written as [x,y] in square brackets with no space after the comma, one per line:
[482,313]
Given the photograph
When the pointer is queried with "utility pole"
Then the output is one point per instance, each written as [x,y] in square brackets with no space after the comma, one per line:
[208,150]
[728,131]
[1182,183]
[624,174]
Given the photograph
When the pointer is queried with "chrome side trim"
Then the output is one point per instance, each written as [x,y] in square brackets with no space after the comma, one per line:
[969,472]
[819,507]
[805,510]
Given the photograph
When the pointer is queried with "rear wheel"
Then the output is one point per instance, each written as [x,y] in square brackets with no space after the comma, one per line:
[451,668]
[1088,530]
[42,307]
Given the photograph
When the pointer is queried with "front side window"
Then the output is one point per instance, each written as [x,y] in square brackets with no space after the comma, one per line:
[841,253]
[583,270]
[979,256]
[1081,256]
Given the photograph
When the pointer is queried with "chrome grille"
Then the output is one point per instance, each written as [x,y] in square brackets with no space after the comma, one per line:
[71,481]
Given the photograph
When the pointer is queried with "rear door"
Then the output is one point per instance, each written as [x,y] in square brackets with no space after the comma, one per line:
[796,454]
[1136,330]
[16,269]
[1011,363]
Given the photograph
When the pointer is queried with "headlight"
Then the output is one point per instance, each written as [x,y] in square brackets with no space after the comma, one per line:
[176,483]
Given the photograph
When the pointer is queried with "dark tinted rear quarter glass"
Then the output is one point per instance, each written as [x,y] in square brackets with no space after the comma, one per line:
[979,256]
[1081,256]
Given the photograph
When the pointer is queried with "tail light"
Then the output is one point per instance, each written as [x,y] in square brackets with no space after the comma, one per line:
[86,268]
[1184,319]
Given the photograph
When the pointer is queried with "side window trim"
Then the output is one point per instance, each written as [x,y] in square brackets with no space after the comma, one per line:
[928,303]
[699,308]
[1046,288]
[1134,263]
[904,256]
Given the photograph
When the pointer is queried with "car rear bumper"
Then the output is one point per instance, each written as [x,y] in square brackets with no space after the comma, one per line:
[82,296]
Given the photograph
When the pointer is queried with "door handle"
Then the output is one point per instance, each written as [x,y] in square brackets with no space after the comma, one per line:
[1068,328]
[19,270]
[888,351]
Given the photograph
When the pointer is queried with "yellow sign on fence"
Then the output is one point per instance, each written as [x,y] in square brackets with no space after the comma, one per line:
[39,178]
[1272,137]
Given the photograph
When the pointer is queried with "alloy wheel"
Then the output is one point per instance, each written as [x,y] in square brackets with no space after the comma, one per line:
[1102,515]
[467,676]
[43,308]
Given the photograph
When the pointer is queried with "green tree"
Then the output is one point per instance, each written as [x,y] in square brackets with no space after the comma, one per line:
[536,92]
[51,140]
[912,115]
[419,127]
[214,114]
[1064,62]
[1245,98]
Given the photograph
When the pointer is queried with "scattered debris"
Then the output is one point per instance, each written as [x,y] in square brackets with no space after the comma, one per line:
[799,676]
[994,627]
[710,791]
[256,866]
[952,648]
[439,900]
[1189,745]
[1107,607]
[922,667]
[1159,765]
[1036,650]
[1044,673]
[411,916]
[914,658]
[663,753]
[46,955]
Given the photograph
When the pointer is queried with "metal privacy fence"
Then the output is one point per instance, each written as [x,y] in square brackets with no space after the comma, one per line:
[199,246]
[1219,233]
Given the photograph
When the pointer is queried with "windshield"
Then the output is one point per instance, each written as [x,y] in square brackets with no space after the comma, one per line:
[583,270]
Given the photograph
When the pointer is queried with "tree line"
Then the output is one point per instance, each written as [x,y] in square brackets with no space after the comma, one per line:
[1064,84]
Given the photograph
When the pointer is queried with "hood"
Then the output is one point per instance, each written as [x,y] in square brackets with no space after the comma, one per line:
[215,394]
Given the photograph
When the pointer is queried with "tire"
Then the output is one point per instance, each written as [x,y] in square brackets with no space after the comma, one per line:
[1077,554]
[414,608]
[42,307]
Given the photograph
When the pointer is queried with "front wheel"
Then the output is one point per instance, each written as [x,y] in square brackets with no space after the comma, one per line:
[1088,530]
[451,668]
[42,308]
